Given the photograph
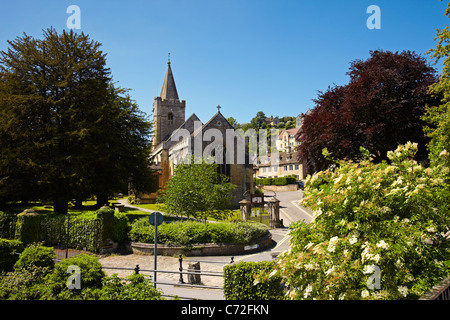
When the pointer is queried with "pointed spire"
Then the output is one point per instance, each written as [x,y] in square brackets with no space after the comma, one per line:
[169,90]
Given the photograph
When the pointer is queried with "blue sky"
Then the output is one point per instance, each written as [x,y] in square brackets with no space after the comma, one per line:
[246,55]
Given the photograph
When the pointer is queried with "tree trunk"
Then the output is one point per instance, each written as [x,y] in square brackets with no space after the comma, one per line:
[60,206]
[102,199]
[78,203]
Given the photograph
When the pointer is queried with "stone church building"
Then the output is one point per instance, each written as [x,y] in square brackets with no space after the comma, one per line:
[175,138]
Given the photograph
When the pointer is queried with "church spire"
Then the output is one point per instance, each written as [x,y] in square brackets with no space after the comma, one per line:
[169,90]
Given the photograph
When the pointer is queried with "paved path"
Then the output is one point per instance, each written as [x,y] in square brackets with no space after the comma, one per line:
[290,211]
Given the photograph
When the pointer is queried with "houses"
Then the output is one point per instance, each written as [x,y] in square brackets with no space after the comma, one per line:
[287,140]
[281,164]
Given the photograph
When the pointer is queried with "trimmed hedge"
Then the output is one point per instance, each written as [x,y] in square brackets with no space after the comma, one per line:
[8,254]
[240,284]
[193,232]
[279,181]
[27,227]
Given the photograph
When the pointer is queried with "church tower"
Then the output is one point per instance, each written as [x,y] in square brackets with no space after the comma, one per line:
[168,110]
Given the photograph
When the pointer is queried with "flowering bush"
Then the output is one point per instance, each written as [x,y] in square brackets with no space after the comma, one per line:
[379,231]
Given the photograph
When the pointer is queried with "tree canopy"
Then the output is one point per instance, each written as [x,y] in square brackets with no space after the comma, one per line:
[438,115]
[65,130]
[198,190]
[380,108]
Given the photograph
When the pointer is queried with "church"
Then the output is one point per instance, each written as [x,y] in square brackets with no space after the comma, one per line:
[175,138]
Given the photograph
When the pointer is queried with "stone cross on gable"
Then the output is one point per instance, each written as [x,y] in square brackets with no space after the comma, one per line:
[219,107]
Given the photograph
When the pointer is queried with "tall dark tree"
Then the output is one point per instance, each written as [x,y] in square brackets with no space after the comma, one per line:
[380,108]
[64,127]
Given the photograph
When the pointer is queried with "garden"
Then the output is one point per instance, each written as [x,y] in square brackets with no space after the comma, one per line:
[27,260]
[33,275]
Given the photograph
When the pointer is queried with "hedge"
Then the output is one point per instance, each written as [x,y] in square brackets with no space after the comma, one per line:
[240,284]
[193,232]
[8,254]
[27,227]
[279,181]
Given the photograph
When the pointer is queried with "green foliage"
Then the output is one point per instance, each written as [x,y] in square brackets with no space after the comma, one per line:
[41,280]
[193,232]
[27,228]
[240,282]
[438,116]
[77,231]
[137,287]
[91,275]
[65,129]
[8,256]
[393,216]
[36,256]
[120,227]
[7,225]
[278,181]
[197,190]
[24,284]
[106,215]
[131,199]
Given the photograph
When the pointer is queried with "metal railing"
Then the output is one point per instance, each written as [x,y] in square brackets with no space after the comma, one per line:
[137,269]
[441,291]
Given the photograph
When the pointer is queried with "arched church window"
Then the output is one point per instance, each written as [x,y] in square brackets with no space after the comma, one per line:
[170,118]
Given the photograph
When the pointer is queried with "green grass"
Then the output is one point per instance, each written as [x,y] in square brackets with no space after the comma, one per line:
[153,206]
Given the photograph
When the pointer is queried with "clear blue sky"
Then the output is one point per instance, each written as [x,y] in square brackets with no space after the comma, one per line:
[246,55]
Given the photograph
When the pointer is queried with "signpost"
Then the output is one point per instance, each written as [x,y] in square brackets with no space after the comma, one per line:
[155,219]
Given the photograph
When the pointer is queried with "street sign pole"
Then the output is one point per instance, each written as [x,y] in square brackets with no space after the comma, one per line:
[155,255]
[155,219]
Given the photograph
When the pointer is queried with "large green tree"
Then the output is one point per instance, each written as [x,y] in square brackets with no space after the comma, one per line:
[65,130]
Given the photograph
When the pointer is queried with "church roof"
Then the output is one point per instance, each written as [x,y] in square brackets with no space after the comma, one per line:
[169,90]
[219,116]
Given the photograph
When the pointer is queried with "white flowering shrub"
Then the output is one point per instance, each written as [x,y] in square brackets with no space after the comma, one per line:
[379,231]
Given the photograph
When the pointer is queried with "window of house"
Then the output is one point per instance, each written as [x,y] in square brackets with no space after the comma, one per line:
[290,167]
[285,168]
[296,167]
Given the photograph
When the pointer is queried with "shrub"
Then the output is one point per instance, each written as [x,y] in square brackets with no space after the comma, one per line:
[106,214]
[36,256]
[120,227]
[240,282]
[91,276]
[24,284]
[7,225]
[8,254]
[368,217]
[278,181]
[193,232]
[137,287]
[27,227]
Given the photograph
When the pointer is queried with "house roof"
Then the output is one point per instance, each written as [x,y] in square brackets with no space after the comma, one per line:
[292,131]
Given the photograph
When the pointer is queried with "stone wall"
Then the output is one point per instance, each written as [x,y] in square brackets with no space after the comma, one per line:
[288,187]
[204,249]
